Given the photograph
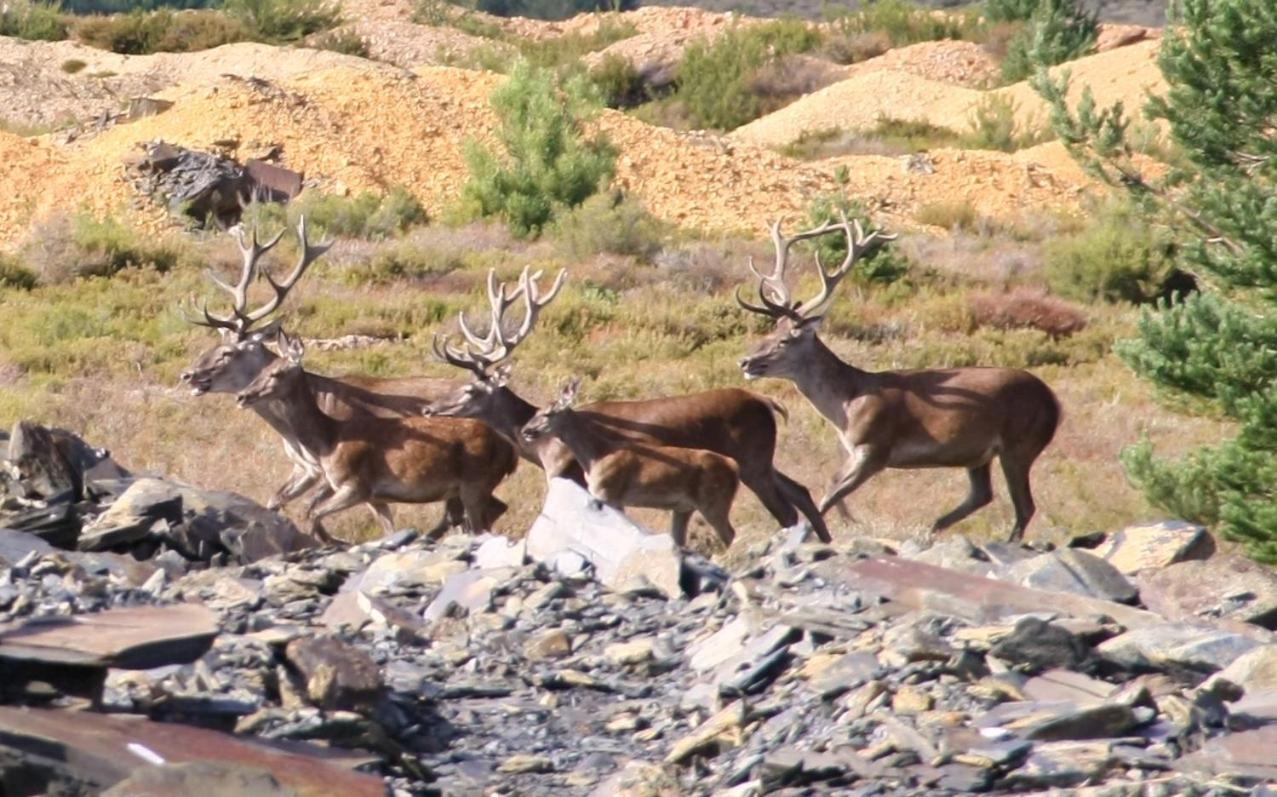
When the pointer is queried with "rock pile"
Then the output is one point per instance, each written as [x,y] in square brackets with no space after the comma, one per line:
[481,666]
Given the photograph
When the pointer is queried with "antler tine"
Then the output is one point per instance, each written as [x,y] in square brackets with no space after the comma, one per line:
[209,320]
[309,254]
[778,304]
[533,303]
[476,364]
[858,244]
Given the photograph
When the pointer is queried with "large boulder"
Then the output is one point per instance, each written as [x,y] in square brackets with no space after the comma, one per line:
[1153,546]
[1222,587]
[1071,570]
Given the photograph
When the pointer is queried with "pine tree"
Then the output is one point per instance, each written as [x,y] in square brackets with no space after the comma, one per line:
[1217,346]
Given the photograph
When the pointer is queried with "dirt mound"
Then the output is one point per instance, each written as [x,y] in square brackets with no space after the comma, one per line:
[858,103]
[960,63]
[663,35]
[37,91]
[409,45]
[24,164]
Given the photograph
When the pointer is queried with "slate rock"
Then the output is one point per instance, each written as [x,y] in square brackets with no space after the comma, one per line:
[1177,648]
[334,674]
[1061,765]
[1036,645]
[1254,671]
[412,569]
[470,590]
[1225,586]
[1074,571]
[200,778]
[1155,545]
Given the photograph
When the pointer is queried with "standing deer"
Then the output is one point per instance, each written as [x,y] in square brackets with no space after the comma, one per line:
[732,422]
[242,354]
[683,480]
[929,418]
[377,461]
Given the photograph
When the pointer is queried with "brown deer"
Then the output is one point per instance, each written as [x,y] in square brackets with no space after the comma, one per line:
[242,354]
[928,418]
[732,422]
[378,461]
[683,480]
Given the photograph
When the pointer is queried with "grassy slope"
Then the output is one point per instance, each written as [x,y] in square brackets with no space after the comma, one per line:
[103,356]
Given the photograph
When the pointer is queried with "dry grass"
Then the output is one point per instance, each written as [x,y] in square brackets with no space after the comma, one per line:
[103,356]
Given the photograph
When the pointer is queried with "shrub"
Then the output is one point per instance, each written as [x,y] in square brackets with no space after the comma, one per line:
[844,47]
[1027,309]
[549,9]
[33,21]
[15,275]
[1118,257]
[346,42]
[618,83]
[83,246]
[905,23]
[1057,31]
[610,222]
[714,80]
[994,126]
[284,20]
[138,33]
[882,266]
[1009,10]
[366,215]
[406,260]
[548,165]
[73,65]
[566,50]
[956,214]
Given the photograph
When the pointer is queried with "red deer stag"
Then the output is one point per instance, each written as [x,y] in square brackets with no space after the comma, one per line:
[929,418]
[241,355]
[377,461]
[730,421]
[683,480]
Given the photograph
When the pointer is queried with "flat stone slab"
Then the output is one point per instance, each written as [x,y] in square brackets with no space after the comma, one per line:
[136,638]
[1222,587]
[1248,754]
[1176,646]
[1071,570]
[106,749]
[1155,545]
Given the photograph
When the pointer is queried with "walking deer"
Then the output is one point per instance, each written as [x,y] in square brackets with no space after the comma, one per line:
[732,422]
[242,354]
[929,418]
[683,480]
[378,461]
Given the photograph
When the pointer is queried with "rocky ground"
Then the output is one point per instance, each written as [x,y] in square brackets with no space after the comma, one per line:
[590,659]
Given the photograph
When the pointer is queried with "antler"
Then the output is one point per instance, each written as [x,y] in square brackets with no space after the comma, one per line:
[240,321]
[482,353]
[774,294]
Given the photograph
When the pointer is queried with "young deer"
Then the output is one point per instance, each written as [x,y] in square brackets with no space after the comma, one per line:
[734,423]
[242,354]
[928,418]
[683,480]
[378,461]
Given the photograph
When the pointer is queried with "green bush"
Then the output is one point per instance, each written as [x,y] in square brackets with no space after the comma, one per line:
[994,126]
[1058,31]
[84,246]
[366,215]
[33,21]
[714,79]
[1010,10]
[546,164]
[346,42]
[618,83]
[609,222]
[883,266]
[906,23]
[284,20]
[15,275]
[1117,257]
[163,31]
[73,66]
[549,9]
[566,50]
[956,214]
[405,260]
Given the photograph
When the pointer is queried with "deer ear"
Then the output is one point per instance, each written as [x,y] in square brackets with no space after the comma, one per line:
[502,376]
[269,332]
[291,347]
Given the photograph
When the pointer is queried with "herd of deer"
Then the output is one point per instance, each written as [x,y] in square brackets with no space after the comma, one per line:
[420,440]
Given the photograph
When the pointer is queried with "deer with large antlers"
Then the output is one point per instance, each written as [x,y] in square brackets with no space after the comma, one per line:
[731,422]
[242,354]
[379,461]
[929,418]
[683,480]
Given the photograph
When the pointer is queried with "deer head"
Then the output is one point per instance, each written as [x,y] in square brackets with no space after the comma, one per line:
[548,421]
[241,354]
[486,356]
[785,350]
[278,377]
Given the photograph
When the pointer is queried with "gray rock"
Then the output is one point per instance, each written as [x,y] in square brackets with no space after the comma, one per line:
[202,778]
[498,551]
[334,674]
[1061,765]
[846,673]
[1254,671]
[624,555]
[1226,586]
[1036,645]
[1155,545]
[470,590]
[412,569]
[956,553]
[1177,647]
[1071,570]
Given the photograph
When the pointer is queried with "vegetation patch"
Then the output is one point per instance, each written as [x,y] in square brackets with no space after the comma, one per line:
[32,20]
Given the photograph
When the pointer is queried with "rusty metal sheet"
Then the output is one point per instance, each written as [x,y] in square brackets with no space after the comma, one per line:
[279,183]
[105,749]
[975,598]
[137,638]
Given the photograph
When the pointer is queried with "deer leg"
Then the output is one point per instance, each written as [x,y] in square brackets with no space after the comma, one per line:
[719,518]
[1017,476]
[496,508]
[454,516]
[476,504]
[344,498]
[800,497]
[301,480]
[381,511]
[980,495]
[861,465]
[320,496]
[678,526]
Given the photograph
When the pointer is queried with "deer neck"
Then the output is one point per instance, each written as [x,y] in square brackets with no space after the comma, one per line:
[308,425]
[586,446]
[510,413]
[831,384]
